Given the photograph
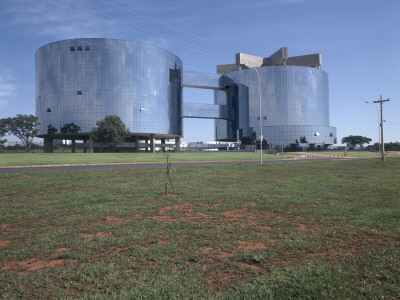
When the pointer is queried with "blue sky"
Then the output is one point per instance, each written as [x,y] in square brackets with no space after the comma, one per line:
[359,41]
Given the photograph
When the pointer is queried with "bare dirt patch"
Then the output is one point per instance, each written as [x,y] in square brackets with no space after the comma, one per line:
[205,250]
[28,229]
[236,214]
[183,207]
[250,266]
[223,281]
[166,218]
[208,205]
[161,241]
[4,243]
[99,234]
[204,216]
[249,246]
[4,226]
[115,220]
[331,254]
[171,195]
[223,254]
[31,265]
[302,227]
[54,227]
[61,250]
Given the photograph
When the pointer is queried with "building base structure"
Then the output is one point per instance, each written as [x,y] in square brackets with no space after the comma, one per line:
[134,143]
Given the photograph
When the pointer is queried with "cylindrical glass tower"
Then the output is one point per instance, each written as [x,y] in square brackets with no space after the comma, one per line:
[83,80]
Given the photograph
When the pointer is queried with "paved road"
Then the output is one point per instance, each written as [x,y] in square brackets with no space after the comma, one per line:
[66,168]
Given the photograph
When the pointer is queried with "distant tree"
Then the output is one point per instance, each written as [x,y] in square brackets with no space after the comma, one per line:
[292,147]
[24,127]
[252,140]
[249,140]
[392,146]
[3,129]
[246,140]
[352,141]
[111,131]
[303,140]
[51,129]
[374,147]
[70,128]
[3,132]
[264,144]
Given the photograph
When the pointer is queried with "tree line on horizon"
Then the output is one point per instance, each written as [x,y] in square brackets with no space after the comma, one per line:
[112,131]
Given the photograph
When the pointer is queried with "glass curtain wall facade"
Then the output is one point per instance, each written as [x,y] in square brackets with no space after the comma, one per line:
[83,80]
[294,105]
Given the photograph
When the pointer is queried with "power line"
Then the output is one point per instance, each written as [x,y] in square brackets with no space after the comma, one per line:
[391,122]
[181,44]
[158,22]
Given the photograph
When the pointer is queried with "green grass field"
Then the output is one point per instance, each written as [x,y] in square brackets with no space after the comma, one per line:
[315,230]
[360,154]
[25,159]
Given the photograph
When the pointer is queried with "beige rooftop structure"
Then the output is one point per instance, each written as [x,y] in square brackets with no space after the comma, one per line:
[279,58]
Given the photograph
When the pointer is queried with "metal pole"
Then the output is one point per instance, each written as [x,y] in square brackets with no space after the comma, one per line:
[383,142]
[380,101]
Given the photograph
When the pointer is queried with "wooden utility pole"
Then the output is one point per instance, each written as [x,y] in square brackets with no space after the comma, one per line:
[380,101]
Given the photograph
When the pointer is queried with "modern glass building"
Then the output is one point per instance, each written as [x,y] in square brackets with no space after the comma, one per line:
[294,105]
[81,81]
[84,80]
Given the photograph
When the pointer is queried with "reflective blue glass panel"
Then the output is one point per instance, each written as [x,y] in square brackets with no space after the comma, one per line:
[83,80]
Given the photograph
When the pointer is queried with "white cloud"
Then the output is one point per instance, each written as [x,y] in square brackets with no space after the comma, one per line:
[8,89]
[57,18]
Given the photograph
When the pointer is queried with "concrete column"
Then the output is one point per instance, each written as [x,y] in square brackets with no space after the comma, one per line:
[91,150]
[177,144]
[73,146]
[48,145]
[147,144]
[152,143]
[136,143]
[163,145]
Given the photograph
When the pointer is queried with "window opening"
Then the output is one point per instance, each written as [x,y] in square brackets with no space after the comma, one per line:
[72,49]
[79,92]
